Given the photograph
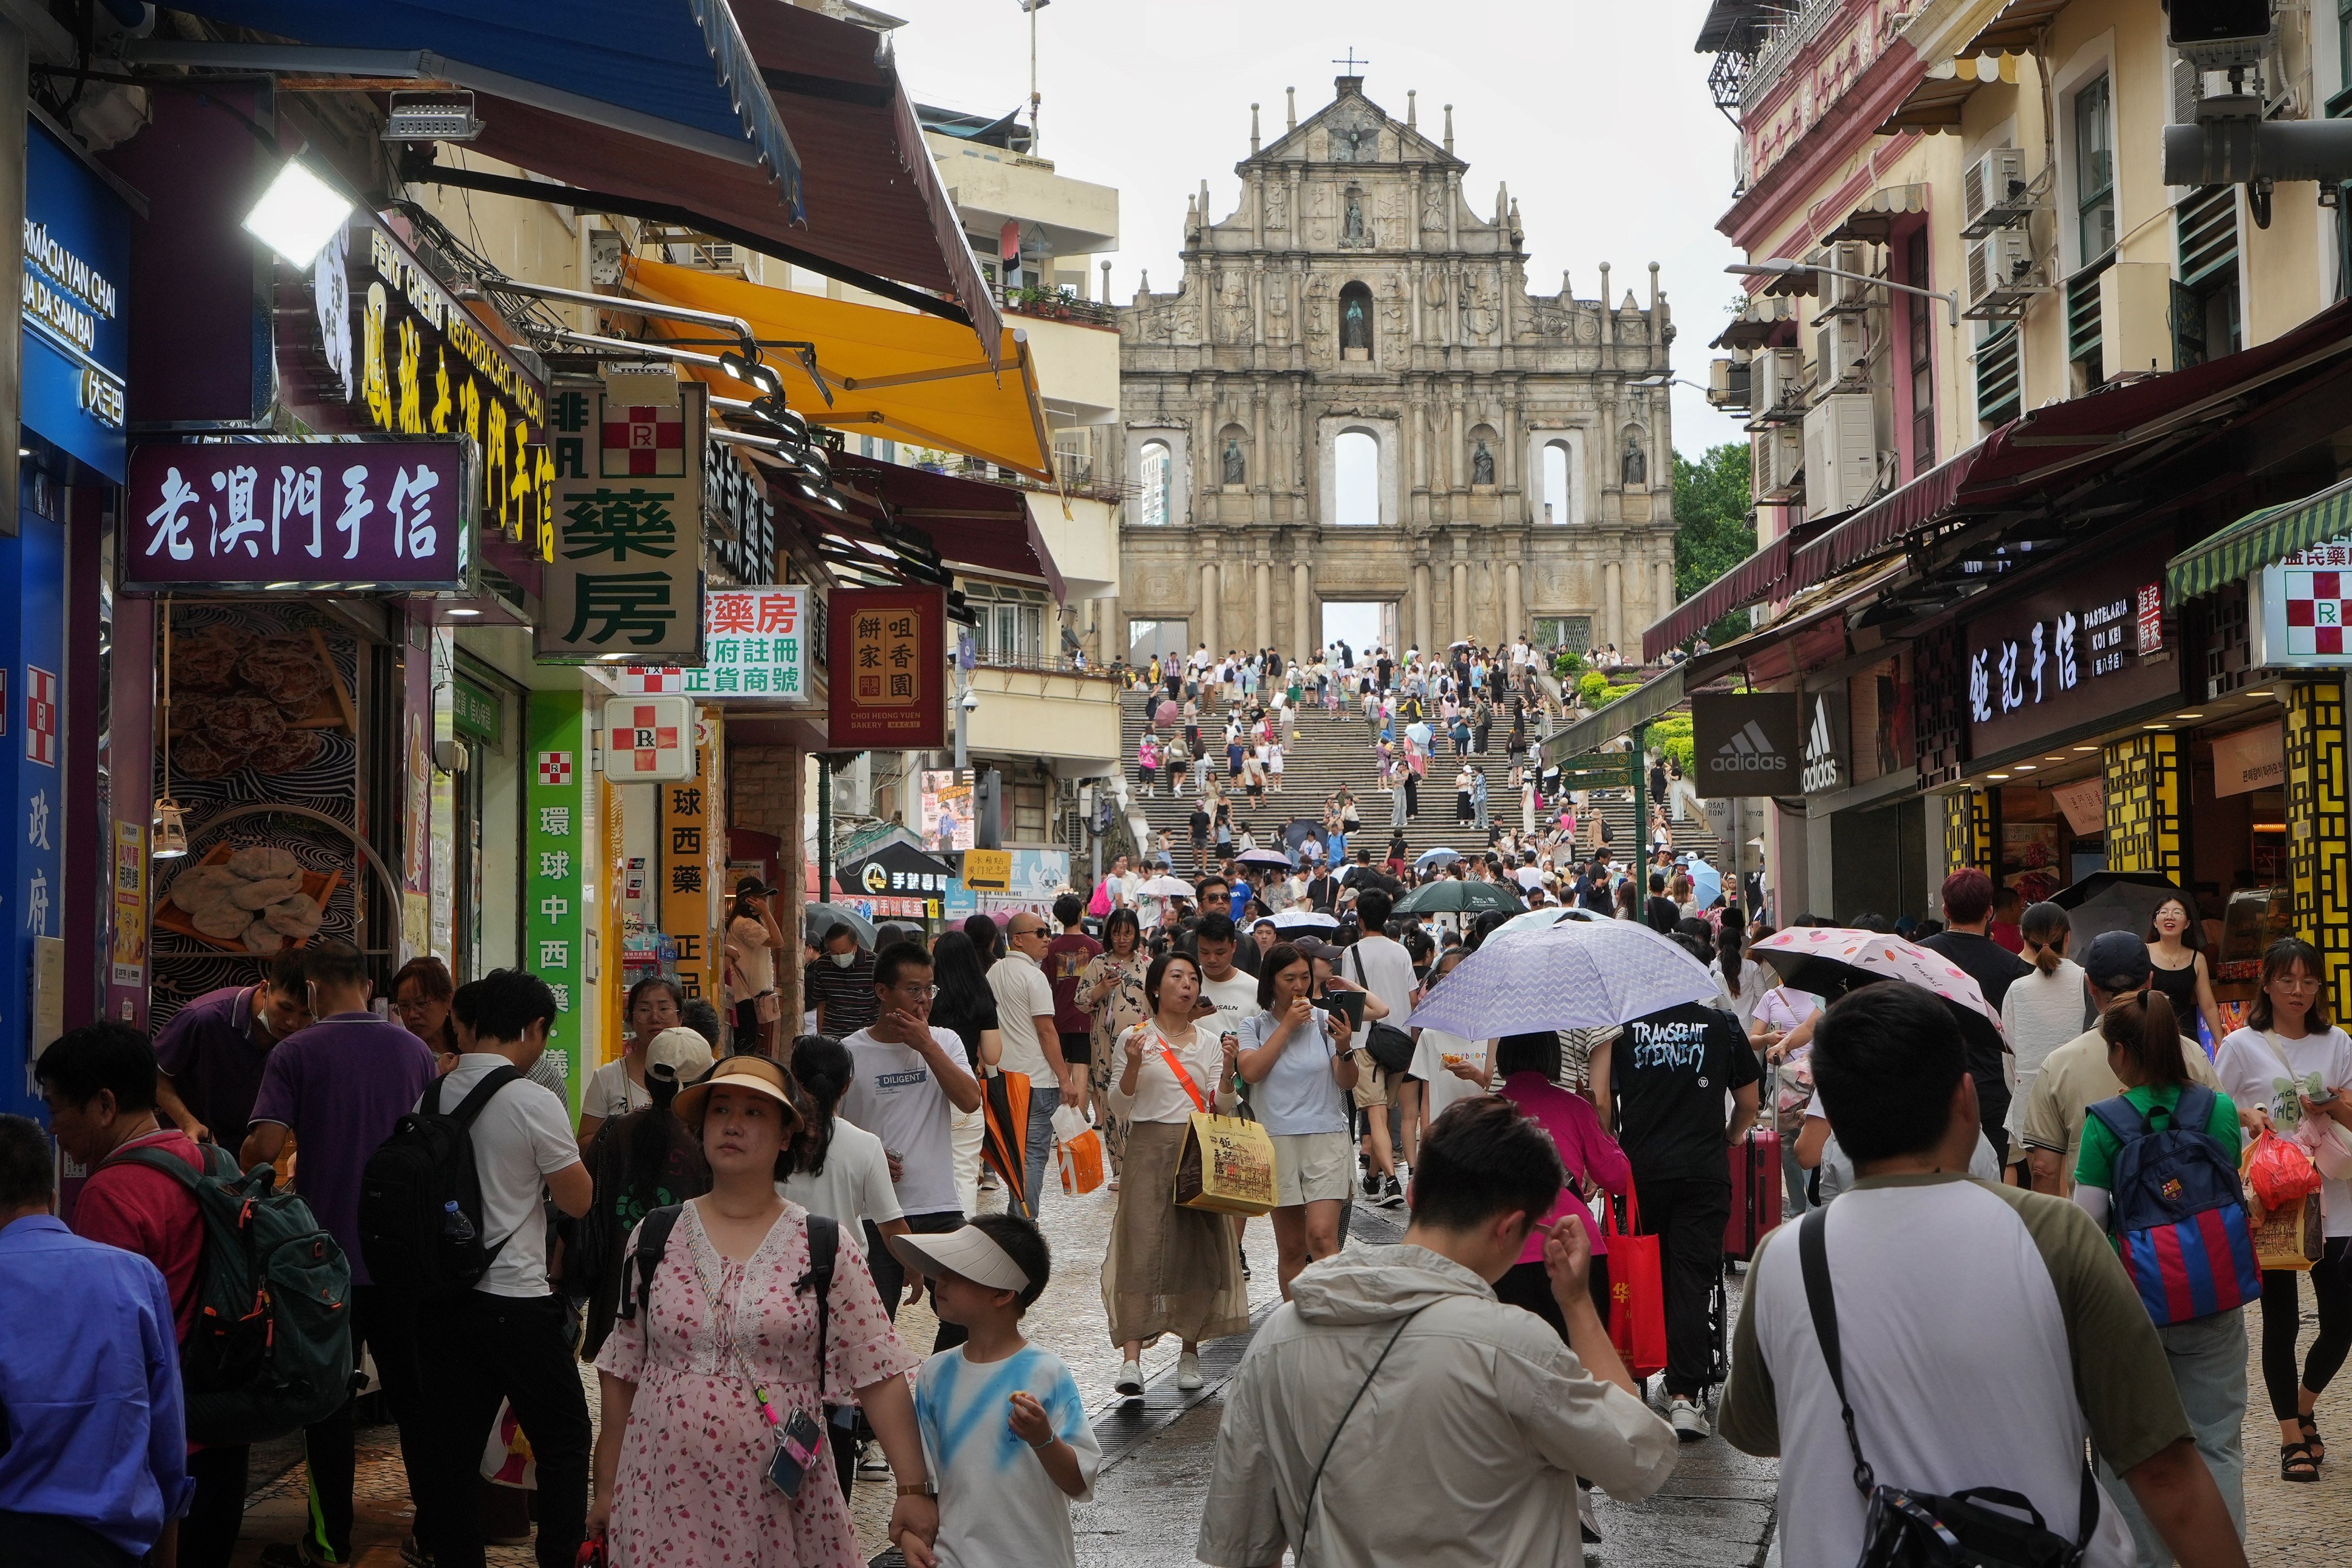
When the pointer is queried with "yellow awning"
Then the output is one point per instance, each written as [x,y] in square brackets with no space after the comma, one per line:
[1935,104]
[891,373]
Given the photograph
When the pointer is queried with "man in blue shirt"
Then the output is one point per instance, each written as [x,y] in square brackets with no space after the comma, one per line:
[94,1449]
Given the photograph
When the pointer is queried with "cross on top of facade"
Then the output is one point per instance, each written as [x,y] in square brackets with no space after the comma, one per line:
[1351,63]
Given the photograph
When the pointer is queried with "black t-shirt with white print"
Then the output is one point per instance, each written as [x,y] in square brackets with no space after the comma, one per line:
[1669,1072]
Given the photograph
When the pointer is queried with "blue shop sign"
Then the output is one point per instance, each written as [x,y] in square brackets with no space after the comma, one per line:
[77,333]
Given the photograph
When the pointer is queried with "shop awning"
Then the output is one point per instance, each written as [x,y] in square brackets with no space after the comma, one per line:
[1890,518]
[1758,321]
[1659,694]
[890,372]
[2015,28]
[1737,26]
[2256,539]
[873,210]
[1752,580]
[975,526]
[674,71]
[1935,104]
[1874,217]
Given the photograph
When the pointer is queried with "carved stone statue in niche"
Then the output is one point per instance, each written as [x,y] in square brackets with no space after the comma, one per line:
[1236,307]
[1277,307]
[1433,204]
[1635,464]
[1352,232]
[1393,314]
[1237,465]
[1482,464]
[1356,322]
[1479,317]
[1318,293]
[1277,203]
[1433,289]
[1355,133]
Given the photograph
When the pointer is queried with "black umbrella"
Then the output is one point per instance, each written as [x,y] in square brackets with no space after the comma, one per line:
[2115,900]
[1451,896]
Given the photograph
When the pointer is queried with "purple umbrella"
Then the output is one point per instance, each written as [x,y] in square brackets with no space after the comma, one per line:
[1575,975]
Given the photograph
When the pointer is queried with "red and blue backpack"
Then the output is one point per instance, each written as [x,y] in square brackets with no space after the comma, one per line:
[2179,1214]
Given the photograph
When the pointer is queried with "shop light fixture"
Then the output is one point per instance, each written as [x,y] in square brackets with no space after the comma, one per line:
[2156,726]
[171,830]
[2025,767]
[2270,828]
[463,610]
[297,214]
[2086,748]
[1996,776]
[2265,691]
[2053,759]
[2188,715]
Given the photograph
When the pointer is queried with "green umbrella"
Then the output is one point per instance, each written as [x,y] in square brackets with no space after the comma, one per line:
[1451,897]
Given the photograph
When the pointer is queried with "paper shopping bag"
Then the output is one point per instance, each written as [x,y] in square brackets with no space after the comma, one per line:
[2288,1236]
[1077,1151]
[506,1458]
[1226,1166]
[1637,1291]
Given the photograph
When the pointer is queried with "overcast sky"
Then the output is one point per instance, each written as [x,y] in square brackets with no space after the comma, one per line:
[1597,116]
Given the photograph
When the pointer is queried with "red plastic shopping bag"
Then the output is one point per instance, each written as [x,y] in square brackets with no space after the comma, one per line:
[1637,1291]
[2278,1171]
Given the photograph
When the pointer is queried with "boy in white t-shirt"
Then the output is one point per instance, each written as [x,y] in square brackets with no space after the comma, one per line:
[982,1403]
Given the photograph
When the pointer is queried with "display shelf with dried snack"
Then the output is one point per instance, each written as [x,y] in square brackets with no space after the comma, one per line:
[257,702]
[253,900]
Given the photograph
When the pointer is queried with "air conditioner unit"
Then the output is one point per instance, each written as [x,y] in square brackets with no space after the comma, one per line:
[1999,264]
[1841,350]
[1728,383]
[1994,186]
[1841,453]
[1777,381]
[1780,459]
[1847,255]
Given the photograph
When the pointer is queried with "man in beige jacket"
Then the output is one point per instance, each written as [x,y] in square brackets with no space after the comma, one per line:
[1462,1424]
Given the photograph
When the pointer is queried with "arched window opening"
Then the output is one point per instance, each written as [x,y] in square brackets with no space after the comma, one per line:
[1356,487]
[1557,492]
[1154,483]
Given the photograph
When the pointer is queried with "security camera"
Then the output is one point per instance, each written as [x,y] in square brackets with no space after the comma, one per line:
[969,701]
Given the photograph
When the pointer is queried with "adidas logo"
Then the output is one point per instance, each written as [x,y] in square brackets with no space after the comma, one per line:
[1820,751]
[1750,751]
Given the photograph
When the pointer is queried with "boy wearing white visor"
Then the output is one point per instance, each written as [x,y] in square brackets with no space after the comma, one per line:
[1004,1429]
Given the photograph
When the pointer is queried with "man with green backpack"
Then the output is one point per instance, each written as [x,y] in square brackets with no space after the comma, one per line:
[222,1242]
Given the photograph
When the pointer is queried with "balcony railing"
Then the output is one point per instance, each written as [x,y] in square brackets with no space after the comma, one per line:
[1039,663]
[1057,305]
[1076,473]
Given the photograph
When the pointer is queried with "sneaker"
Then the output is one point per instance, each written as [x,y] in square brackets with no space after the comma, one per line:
[1130,1381]
[1372,1186]
[1245,1268]
[1392,1194]
[870,1461]
[1687,1419]
[1188,1370]
[1585,1522]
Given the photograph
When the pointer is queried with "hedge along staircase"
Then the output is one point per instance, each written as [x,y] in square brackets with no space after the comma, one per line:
[1332,750]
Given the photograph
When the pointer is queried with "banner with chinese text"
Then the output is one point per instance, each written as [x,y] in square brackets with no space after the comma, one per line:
[886,669]
[626,578]
[694,864]
[755,648]
[556,872]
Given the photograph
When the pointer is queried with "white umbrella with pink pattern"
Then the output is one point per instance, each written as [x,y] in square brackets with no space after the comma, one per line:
[1830,960]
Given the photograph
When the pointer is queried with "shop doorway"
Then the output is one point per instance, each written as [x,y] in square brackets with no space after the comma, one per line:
[1878,861]
[1361,624]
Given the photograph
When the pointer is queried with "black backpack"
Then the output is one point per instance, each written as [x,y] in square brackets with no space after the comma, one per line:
[269,1351]
[652,1242]
[425,1166]
[1390,1048]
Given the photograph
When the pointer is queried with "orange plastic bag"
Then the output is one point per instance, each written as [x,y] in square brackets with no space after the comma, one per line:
[1077,1151]
[1637,1291]
[2279,1172]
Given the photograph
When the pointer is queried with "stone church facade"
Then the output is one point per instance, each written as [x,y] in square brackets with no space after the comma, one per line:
[1355,294]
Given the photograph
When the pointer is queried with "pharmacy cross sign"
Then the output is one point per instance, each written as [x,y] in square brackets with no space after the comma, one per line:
[555,769]
[645,737]
[2316,603]
[643,439]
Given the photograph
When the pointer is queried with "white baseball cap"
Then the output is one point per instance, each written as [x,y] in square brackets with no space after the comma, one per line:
[970,1252]
[682,1050]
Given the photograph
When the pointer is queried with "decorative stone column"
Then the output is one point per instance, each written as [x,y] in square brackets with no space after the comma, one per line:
[1514,604]
[1303,634]
[1265,627]
[1420,621]
[1663,604]
[1209,607]
[1461,600]
[1612,596]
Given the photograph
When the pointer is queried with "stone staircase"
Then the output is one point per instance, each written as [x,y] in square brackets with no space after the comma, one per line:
[1334,749]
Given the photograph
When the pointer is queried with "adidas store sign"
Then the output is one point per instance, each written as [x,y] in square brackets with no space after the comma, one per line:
[1748,743]
[1825,744]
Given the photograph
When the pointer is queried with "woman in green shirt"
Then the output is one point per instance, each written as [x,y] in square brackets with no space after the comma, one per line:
[2207,1354]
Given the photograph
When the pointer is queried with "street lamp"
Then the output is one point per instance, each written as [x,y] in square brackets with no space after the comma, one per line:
[1781,267]
[1665,380]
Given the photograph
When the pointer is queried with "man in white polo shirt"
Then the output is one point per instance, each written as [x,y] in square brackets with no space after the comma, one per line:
[1032,1045]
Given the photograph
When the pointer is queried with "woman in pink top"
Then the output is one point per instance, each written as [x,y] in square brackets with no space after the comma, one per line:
[1588,1155]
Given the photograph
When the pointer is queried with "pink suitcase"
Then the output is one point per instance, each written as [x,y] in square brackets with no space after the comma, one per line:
[1755,1191]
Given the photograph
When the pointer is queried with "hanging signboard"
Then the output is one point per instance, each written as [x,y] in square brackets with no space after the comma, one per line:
[755,651]
[743,515]
[691,866]
[2299,606]
[297,516]
[1748,743]
[410,359]
[886,669]
[2249,760]
[2067,656]
[76,330]
[624,582]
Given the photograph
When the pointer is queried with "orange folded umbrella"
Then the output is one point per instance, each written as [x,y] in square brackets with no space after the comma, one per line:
[1005,1142]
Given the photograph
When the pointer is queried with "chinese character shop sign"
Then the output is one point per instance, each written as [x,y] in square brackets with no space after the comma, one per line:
[887,670]
[2300,604]
[2082,651]
[755,643]
[626,581]
[77,333]
[298,515]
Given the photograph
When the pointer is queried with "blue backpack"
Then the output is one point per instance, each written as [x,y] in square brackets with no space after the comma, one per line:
[2179,1215]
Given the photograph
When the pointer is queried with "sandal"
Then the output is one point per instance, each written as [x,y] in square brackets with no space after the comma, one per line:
[2295,1463]
[2312,1440]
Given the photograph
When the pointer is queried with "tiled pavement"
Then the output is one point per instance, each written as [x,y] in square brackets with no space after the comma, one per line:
[1717,1510]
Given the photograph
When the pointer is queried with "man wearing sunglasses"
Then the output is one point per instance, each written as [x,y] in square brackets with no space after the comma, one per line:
[1032,1046]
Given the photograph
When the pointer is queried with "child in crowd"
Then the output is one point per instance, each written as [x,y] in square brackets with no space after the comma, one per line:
[983,1402]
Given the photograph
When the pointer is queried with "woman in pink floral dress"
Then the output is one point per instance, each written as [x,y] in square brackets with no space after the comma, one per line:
[681,1461]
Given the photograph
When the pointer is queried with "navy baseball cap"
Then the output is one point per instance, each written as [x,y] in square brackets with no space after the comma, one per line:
[2117,961]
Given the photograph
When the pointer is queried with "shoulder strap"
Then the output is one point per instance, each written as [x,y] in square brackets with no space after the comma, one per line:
[1307,1514]
[2119,1116]
[653,1241]
[1814,1259]
[2194,1109]
[155,1158]
[480,1094]
[825,1245]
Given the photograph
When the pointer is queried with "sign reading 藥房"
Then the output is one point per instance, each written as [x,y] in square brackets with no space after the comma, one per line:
[2300,604]
[2069,656]
[414,359]
[886,671]
[298,515]
[755,651]
[76,331]
[626,578]
[1748,743]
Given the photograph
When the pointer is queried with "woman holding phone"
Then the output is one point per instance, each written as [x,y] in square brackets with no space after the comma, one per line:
[1294,1052]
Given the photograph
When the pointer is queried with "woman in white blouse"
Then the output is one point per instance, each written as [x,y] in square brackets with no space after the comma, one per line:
[1168,1270]
[2043,1010]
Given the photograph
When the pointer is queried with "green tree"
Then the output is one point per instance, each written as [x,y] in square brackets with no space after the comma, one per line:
[1714,529]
